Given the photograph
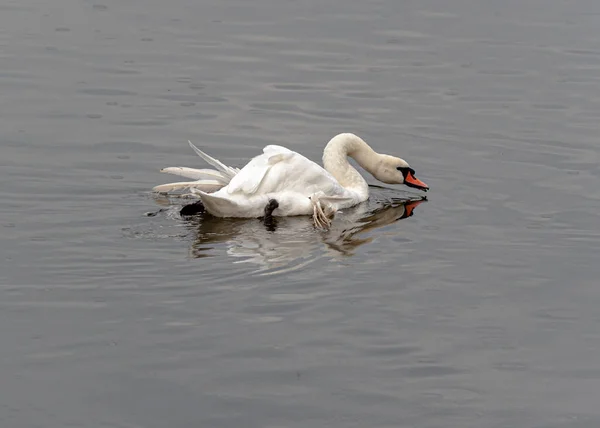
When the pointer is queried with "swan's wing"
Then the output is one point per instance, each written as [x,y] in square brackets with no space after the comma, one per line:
[196,174]
[279,169]
[250,178]
[204,185]
[227,171]
[207,180]
[273,150]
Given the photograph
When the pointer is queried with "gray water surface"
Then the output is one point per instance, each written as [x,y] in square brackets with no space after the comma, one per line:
[480,310]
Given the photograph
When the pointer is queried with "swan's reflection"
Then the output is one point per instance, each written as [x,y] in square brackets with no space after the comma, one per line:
[289,243]
[346,233]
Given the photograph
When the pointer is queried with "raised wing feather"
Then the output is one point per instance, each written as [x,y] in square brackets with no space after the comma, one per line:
[227,171]
[196,174]
[204,185]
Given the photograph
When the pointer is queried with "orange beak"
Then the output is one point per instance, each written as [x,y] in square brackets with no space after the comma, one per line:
[412,181]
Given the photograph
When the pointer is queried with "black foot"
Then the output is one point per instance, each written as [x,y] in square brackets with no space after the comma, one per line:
[192,209]
[270,207]
[270,221]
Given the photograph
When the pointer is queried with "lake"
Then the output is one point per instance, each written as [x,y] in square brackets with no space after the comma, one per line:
[478,310]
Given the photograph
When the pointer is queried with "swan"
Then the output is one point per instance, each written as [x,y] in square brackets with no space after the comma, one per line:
[281,182]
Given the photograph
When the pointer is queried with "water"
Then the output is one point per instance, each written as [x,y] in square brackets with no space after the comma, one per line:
[479,310]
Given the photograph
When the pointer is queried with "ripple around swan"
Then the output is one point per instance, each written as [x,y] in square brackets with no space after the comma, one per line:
[293,243]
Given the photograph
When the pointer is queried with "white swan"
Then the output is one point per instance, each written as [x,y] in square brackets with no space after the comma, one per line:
[281,182]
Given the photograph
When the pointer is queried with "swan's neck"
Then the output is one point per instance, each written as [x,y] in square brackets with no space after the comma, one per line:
[335,161]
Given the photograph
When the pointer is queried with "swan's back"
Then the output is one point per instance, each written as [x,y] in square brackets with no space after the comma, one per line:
[281,170]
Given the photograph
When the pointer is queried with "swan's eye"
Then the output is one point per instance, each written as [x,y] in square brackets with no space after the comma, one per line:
[405,170]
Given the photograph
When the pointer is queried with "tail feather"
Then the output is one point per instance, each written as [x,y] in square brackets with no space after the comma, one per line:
[196,174]
[227,171]
[202,185]
[207,180]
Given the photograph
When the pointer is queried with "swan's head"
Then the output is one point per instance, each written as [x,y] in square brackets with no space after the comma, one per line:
[393,170]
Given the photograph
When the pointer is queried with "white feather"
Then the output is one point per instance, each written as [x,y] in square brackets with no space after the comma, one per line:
[227,171]
[196,174]
[207,186]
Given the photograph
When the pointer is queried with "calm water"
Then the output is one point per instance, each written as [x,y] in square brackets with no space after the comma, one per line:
[480,310]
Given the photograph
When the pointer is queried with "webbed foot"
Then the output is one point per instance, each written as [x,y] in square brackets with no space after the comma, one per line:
[322,213]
